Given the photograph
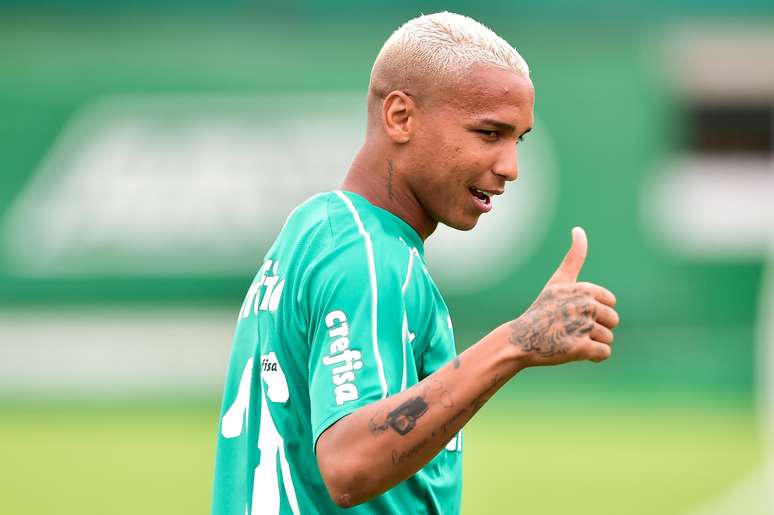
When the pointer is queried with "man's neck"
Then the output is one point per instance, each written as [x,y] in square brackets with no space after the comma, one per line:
[376,177]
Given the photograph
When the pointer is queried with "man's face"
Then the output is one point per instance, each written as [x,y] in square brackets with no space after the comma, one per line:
[464,146]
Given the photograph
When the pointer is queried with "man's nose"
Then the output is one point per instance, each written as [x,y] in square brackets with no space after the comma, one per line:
[507,166]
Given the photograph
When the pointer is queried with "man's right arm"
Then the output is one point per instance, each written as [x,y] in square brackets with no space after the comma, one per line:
[381,444]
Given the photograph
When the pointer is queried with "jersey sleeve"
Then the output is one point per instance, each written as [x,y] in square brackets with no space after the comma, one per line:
[357,331]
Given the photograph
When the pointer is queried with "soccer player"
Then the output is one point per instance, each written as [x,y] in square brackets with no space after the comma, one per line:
[344,389]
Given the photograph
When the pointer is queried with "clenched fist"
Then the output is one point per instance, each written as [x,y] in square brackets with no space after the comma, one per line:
[569,321]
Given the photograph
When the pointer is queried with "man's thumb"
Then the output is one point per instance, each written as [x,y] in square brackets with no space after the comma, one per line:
[573,262]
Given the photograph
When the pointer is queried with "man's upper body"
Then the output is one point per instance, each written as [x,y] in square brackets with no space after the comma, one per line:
[341,314]
[367,414]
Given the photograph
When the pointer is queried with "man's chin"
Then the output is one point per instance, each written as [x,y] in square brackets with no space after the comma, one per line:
[462,225]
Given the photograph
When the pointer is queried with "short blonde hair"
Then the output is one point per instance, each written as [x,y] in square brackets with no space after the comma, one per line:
[440,47]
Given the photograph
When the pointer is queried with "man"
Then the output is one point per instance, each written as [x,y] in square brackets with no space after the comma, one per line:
[343,388]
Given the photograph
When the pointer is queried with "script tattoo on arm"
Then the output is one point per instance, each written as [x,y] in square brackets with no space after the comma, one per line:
[556,320]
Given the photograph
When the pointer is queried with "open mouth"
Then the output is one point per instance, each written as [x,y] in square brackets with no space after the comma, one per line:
[481,195]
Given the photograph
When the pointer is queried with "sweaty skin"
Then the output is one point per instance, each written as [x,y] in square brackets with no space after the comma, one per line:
[424,152]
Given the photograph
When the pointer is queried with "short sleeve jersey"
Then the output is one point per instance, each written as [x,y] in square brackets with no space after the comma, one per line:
[342,313]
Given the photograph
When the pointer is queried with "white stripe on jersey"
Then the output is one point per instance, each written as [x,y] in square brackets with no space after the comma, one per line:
[374,295]
[404,337]
[404,330]
[408,271]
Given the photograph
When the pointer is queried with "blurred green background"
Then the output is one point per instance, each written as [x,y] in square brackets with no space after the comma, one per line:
[149,152]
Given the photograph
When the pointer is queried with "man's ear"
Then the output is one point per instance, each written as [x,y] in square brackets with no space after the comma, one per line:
[398,111]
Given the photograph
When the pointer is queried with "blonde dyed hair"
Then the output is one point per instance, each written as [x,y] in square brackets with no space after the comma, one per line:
[438,49]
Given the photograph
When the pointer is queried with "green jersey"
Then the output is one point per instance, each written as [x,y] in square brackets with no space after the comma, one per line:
[342,313]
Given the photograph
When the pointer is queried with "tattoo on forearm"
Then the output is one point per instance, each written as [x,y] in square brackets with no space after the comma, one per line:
[448,426]
[400,422]
[398,457]
[556,320]
[481,399]
[435,387]
[456,362]
[403,418]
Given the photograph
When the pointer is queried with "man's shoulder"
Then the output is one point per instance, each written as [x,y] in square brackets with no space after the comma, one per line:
[310,223]
[345,234]
[348,220]
[333,209]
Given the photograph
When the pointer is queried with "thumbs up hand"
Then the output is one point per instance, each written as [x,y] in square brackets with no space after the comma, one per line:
[572,263]
[570,320]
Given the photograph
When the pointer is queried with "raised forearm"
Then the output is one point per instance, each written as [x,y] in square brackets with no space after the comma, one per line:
[384,443]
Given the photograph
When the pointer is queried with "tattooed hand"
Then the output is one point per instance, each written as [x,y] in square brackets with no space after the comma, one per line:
[569,321]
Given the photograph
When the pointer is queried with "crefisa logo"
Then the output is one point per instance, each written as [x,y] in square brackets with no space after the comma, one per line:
[348,360]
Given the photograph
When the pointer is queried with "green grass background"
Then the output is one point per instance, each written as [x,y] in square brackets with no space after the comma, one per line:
[525,453]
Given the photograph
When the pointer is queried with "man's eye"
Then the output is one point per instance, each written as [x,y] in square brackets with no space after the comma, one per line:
[489,135]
